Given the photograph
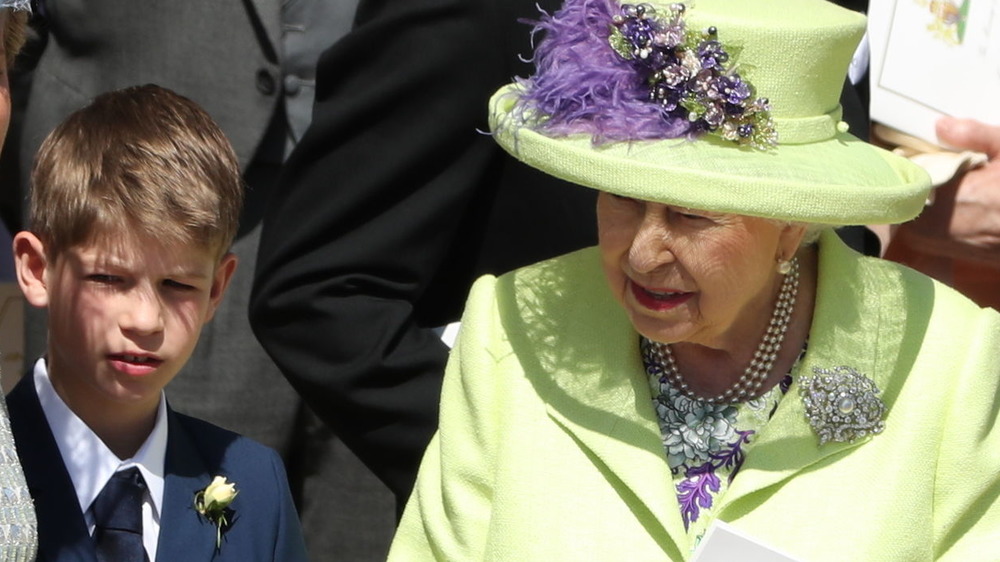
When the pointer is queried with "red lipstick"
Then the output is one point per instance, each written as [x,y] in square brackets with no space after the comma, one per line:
[658,300]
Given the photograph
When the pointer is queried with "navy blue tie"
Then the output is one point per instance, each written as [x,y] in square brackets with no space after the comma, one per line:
[118,518]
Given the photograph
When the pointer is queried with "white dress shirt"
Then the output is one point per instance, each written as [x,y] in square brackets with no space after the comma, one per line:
[91,463]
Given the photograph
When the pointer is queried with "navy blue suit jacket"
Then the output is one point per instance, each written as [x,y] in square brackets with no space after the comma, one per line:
[264,526]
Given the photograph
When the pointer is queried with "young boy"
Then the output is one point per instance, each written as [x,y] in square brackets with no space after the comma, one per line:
[135,200]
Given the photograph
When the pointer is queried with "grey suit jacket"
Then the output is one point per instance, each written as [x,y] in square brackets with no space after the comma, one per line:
[236,80]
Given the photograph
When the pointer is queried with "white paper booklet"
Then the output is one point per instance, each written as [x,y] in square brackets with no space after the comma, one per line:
[725,543]
[931,58]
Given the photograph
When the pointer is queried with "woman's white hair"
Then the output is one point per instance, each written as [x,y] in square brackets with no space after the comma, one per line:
[813,232]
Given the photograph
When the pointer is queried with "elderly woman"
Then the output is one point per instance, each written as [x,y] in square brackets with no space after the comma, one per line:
[721,356]
[18,532]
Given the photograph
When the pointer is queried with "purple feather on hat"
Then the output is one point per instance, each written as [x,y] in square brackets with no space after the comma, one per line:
[582,85]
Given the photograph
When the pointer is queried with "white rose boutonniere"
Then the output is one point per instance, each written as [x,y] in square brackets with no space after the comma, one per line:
[212,503]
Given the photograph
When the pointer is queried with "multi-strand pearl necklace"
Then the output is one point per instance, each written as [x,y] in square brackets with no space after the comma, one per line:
[767,351]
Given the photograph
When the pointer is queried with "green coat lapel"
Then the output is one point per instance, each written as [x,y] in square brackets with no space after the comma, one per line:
[852,297]
[584,363]
[616,424]
[580,351]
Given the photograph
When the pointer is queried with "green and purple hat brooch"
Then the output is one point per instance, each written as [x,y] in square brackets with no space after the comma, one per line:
[722,105]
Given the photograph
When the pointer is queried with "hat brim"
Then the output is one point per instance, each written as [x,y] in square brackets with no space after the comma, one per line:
[840,181]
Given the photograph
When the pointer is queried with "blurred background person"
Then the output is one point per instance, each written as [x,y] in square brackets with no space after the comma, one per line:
[956,239]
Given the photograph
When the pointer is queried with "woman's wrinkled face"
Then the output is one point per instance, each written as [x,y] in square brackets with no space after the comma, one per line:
[692,276]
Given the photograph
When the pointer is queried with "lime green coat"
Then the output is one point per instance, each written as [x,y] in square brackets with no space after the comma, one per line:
[549,448]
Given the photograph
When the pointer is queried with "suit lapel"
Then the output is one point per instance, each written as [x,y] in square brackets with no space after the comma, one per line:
[847,330]
[184,535]
[595,386]
[267,14]
[62,530]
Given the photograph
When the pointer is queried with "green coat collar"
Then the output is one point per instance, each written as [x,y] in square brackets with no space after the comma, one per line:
[589,373]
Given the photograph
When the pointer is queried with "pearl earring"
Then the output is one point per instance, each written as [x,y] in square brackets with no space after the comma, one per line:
[784,266]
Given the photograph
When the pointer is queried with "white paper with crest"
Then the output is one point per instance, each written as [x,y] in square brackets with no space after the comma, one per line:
[725,543]
[931,58]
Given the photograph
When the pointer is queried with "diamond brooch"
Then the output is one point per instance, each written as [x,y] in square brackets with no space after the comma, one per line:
[842,404]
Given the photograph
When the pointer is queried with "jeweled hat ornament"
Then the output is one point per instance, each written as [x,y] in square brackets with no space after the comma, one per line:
[721,105]
[16,5]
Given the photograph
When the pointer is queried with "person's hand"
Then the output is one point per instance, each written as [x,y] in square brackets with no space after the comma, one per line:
[964,221]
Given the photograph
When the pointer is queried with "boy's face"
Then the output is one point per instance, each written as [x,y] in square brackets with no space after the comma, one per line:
[125,316]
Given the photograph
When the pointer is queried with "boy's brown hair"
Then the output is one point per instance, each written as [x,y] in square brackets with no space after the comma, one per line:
[15,33]
[143,160]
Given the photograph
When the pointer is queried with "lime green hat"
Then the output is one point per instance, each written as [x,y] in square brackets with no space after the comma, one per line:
[722,105]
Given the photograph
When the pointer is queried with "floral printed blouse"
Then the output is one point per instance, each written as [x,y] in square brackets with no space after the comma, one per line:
[706,443]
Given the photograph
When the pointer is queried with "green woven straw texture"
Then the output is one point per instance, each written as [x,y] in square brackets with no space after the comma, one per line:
[796,54]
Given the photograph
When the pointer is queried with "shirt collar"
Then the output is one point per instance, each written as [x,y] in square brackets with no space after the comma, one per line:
[88,460]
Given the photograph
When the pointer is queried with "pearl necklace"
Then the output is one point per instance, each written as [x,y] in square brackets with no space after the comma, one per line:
[763,359]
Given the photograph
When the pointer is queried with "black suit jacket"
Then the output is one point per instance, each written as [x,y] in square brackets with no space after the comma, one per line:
[265,526]
[392,203]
